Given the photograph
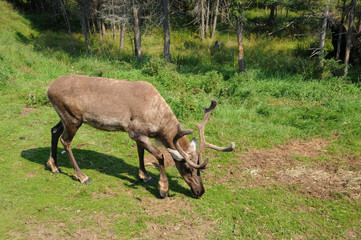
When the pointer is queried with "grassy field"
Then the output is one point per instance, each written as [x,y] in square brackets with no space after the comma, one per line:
[295,174]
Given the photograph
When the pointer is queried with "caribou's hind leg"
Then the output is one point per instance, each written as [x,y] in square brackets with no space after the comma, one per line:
[56,132]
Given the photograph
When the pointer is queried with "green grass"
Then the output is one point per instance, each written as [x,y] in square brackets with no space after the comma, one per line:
[282,96]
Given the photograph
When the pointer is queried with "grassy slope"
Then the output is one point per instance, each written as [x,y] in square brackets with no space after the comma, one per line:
[275,101]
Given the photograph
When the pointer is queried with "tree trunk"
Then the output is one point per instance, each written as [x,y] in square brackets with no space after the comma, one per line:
[63,10]
[103,30]
[93,26]
[202,20]
[122,28]
[83,25]
[358,28]
[351,26]
[100,32]
[89,28]
[122,34]
[137,34]
[215,19]
[323,33]
[272,15]
[339,39]
[240,43]
[207,19]
[113,23]
[54,9]
[166,30]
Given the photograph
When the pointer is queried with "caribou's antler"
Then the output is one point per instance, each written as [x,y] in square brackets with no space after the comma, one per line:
[202,141]
[203,144]
[186,157]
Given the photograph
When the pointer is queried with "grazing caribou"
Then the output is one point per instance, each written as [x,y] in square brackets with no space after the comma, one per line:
[136,108]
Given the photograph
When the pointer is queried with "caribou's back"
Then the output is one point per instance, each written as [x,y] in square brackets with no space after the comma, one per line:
[110,104]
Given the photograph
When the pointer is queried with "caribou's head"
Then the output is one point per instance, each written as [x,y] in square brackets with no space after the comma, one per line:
[189,159]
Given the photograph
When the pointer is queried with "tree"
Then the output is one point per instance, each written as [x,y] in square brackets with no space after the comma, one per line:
[215,18]
[137,33]
[202,19]
[237,12]
[273,12]
[84,6]
[122,29]
[67,23]
[166,30]
[351,26]
[323,32]
[340,33]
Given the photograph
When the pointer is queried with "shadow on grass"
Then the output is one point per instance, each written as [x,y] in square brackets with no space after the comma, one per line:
[107,164]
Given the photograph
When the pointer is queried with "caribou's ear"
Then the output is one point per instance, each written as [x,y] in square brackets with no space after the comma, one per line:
[193,144]
[175,155]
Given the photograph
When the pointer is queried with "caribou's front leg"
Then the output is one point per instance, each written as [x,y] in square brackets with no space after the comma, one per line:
[143,174]
[144,142]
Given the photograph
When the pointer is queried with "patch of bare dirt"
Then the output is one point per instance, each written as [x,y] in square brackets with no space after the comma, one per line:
[179,225]
[30,175]
[26,110]
[53,229]
[101,231]
[107,193]
[39,230]
[283,165]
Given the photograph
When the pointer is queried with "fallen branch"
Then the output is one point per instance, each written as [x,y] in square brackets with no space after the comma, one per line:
[278,30]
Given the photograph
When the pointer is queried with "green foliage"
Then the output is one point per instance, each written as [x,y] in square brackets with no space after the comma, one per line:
[37,98]
[329,69]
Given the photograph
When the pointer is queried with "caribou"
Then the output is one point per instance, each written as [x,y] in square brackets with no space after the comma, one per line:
[133,107]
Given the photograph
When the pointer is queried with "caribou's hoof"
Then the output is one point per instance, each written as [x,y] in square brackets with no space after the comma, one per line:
[87,181]
[148,180]
[163,194]
[52,167]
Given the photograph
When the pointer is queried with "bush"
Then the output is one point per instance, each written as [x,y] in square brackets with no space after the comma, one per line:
[37,98]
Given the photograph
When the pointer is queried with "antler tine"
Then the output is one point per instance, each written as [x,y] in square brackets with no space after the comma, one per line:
[201,127]
[180,134]
[203,144]
[223,149]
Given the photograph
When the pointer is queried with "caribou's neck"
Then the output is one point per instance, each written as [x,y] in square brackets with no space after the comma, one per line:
[169,132]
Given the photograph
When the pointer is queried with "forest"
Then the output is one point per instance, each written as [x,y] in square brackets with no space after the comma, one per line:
[338,21]
[285,73]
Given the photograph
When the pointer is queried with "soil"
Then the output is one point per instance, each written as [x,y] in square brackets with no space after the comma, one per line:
[177,226]
[26,110]
[304,165]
